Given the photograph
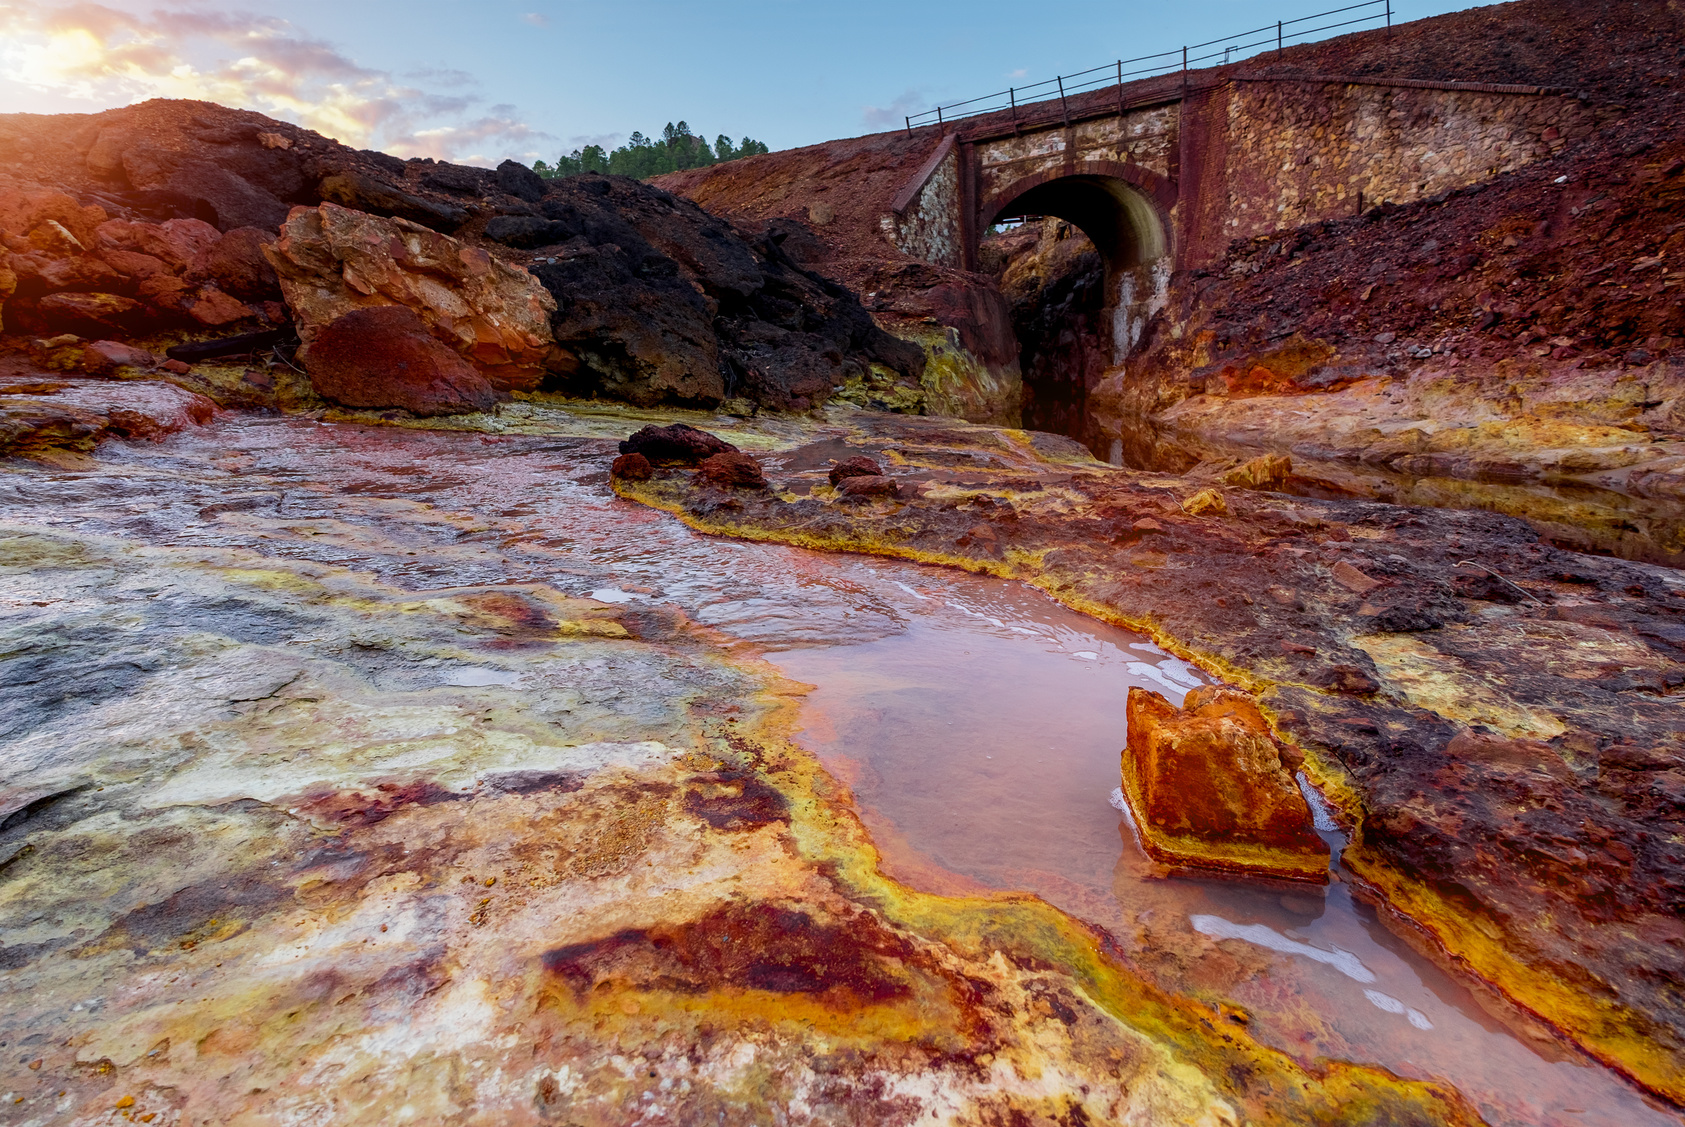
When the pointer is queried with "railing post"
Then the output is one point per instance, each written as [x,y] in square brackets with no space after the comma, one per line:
[909,122]
[1389,15]
[1120,87]
[1012,96]
[1063,108]
[944,128]
[1184,74]
[1278,38]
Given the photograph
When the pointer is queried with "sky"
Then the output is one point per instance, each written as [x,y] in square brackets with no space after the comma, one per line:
[478,81]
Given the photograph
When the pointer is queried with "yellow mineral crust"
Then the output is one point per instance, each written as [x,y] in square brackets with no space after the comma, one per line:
[347,853]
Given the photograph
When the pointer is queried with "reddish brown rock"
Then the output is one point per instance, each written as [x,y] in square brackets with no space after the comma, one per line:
[675,445]
[134,264]
[237,265]
[77,272]
[867,485]
[212,308]
[732,470]
[384,357]
[1208,788]
[858,466]
[90,312]
[25,211]
[8,285]
[632,467]
[105,357]
[176,242]
[331,260]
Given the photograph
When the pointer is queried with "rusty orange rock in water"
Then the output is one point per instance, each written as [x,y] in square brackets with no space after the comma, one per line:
[1207,788]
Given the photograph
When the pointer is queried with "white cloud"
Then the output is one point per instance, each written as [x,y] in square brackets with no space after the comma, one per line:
[537,19]
[1019,73]
[909,102]
[107,57]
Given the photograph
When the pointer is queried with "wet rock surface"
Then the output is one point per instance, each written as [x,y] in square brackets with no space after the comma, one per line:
[1469,694]
[322,799]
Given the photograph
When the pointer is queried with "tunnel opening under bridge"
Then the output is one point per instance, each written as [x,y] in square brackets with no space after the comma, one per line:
[1078,310]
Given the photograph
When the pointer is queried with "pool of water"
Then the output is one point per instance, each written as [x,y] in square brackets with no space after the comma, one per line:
[978,723]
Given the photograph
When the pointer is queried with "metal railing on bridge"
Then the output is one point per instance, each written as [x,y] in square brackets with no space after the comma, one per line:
[1215,52]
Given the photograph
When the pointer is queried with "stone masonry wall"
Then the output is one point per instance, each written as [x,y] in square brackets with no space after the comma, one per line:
[1146,137]
[929,227]
[1302,152]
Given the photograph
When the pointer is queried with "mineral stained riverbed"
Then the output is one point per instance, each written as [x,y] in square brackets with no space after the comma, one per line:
[357,771]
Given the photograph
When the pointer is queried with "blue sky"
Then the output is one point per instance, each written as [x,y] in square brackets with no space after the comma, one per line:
[480,80]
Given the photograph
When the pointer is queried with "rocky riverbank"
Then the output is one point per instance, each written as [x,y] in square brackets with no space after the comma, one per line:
[1497,719]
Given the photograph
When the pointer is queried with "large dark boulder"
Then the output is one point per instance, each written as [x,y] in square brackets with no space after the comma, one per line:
[384,357]
[527,231]
[677,444]
[663,302]
[457,179]
[520,181]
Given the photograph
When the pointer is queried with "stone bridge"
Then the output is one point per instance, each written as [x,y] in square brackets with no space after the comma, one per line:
[1163,175]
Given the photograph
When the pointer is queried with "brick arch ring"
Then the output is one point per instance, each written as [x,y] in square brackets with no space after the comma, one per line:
[1156,190]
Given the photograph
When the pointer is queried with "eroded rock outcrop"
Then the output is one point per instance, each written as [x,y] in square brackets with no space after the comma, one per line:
[1209,788]
[70,267]
[332,260]
[655,300]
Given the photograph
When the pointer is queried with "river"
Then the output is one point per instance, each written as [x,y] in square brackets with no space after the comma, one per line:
[977,723]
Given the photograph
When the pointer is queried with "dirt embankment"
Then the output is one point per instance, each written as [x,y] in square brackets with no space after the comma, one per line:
[1516,345]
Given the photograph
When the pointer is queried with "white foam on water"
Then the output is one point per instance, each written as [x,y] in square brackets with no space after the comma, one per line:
[1393,1006]
[1148,647]
[1117,801]
[1343,961]
[612,595]
[1321,816]
[1151,673]
[1385,1002]
[1086,655]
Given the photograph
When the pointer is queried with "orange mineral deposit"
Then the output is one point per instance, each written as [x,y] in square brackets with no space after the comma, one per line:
[1207,788]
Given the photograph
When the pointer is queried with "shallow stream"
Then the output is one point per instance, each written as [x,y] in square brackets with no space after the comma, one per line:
[977,722]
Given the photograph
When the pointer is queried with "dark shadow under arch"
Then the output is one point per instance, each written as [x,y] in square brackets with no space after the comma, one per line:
[1123,208]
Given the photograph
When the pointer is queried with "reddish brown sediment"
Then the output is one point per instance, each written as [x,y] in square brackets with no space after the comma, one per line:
[1207,788]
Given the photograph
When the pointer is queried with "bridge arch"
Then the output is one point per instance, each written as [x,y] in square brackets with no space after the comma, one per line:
[1123,208]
